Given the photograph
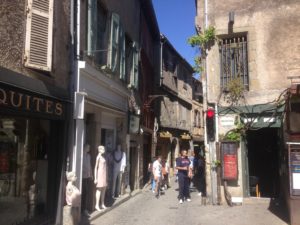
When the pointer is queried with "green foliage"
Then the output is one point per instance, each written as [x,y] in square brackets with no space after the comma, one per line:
[201,40]
[235,90]
[233,135]
[198,64]
[236,133]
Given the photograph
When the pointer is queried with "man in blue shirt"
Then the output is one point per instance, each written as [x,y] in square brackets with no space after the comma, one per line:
[184,174]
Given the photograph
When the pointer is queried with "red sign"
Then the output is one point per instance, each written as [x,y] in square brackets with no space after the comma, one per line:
[230,167]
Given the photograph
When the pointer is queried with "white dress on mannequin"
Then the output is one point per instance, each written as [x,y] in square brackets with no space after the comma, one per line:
[100,178]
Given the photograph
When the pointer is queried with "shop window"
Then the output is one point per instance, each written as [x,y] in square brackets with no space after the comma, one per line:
[23,169]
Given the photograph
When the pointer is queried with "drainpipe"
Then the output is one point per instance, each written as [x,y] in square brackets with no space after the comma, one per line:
[79,98]
[211,145]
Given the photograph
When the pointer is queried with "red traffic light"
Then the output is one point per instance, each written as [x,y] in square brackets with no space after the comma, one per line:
[210,113]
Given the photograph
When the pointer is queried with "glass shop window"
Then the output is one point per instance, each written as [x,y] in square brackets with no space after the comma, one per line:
[23,169]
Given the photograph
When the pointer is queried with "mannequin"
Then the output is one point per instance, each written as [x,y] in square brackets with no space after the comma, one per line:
[119,167]
[86,178]
[100,178]
[32,197]
[73,197]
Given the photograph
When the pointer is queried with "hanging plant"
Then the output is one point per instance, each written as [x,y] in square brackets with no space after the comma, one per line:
[234,90]
[235,134]
[202,40]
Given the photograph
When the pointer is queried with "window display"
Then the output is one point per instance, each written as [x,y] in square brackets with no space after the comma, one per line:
[23,168]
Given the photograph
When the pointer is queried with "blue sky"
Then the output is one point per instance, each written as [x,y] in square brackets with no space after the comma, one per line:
[176,20]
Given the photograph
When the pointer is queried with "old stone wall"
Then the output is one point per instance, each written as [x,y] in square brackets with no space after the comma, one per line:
[273,44]
[12,41]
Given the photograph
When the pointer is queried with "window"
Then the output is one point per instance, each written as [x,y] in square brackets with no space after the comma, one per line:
[24,169]
[197,119]
[234,61]
[38,40]
[169,61]
[135,66]
[96,32]
[117,47]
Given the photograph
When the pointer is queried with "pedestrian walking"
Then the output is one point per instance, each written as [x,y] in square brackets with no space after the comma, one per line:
[165,172]
[191,157]
[184,174]
[157,173]
[150,171]
[199,176]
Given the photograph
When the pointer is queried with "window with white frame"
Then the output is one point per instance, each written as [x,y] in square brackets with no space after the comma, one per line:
[234,60]
[39,31]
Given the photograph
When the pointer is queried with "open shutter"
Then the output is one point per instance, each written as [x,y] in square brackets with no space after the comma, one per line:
[39,30]
[135,67]
[92,27]
[122,54]
[114,42]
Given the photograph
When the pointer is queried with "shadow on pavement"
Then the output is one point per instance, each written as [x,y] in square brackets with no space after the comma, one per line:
[279,208]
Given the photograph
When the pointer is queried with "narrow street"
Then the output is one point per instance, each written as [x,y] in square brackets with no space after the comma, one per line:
[145,209]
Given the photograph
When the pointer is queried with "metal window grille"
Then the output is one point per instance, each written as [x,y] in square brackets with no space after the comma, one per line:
[234,60]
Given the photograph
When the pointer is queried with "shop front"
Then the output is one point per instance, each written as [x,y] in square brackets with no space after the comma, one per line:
[103,120]
[32,151]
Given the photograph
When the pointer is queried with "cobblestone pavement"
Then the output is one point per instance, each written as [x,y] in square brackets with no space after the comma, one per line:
[145,209]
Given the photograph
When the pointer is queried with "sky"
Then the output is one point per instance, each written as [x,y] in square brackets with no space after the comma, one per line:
[176,20]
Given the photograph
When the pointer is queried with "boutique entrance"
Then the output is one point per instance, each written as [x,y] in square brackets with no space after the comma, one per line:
[263,162]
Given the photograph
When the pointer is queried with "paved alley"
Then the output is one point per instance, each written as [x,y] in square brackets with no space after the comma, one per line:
[145,209]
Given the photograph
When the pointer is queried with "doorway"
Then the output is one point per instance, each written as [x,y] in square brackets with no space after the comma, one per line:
[263,162]
[133,161]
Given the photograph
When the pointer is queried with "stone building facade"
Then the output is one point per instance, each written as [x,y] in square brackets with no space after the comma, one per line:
[256,47]
[174,108]
[35,81]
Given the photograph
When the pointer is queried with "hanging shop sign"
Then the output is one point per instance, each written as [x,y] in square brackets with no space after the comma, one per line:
[134,123]
[165,134]
[185,136]
[16,99]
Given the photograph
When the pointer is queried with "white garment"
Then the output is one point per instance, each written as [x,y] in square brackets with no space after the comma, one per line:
[157,168]
[123,162]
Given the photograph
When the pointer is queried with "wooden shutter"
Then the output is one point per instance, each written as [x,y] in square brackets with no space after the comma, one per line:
[135,66]
[114,42]
[39,30]
[122,54]
[92,27]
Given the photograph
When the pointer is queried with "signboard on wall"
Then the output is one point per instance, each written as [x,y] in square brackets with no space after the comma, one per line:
[229,160]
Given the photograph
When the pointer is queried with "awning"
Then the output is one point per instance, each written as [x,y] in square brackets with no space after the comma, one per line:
[262,115]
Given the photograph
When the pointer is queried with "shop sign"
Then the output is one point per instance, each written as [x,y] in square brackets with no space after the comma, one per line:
[185,136]
[227,121]
[134,124]
[20,100]
[165,134]
[229,158]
